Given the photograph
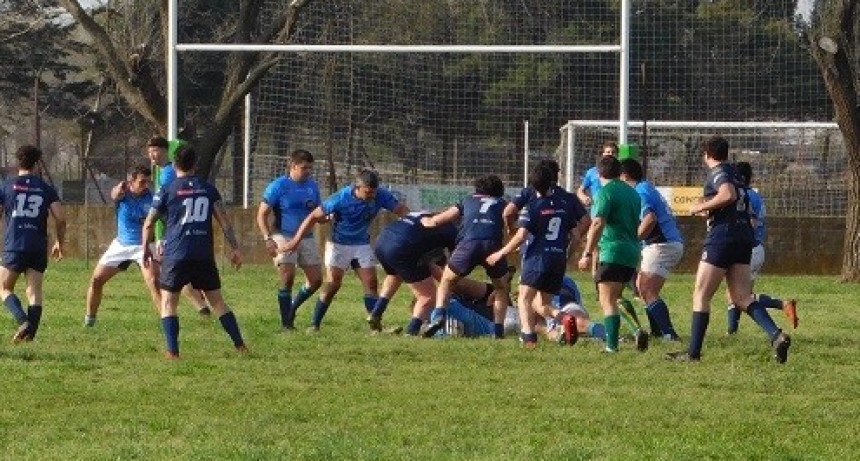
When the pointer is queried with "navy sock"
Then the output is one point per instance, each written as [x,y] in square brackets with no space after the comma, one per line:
[597,330]
[652,323]
[34,315]
[414,326]
[499,330]
[698,327]
[528,337]
[170,326]
[660,312]
[759,314]
[379,308]
[231,326]
[319,312]
[770,303]
[301,296]
[369,303]
[285,306]
[733,319]
[13,304]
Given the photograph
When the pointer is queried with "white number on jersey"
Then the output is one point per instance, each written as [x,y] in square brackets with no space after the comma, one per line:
[552,229]
[196,209]
[486,203]
[27,206]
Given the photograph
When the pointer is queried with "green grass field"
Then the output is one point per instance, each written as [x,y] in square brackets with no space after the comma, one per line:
[107,392]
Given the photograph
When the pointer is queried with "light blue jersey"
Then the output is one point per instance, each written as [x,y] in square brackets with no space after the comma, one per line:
[167,175]
[131,211]
[591,182]
[352,217]
[666,228]
[757,210]
[291,202]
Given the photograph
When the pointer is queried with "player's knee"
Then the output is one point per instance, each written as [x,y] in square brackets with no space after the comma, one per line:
[314,285]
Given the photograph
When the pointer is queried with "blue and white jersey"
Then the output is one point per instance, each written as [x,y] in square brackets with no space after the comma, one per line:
[26,202]
[482,218]
[527,194]
[188,204]
[131,211]
[666,228]
[569,293]
[758,212]
[407,232]
[591,182]
[731,223]
[352,216]
[291,202]
[549,221]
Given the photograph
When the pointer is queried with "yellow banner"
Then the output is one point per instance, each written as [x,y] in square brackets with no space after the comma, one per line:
[680,198]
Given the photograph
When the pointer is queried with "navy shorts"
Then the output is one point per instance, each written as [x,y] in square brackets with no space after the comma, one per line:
[20,261]
[611,272]
[725,255]
[202,275]
[401,262]
[473,253]
[544,274]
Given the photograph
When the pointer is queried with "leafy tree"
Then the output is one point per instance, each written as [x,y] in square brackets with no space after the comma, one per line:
[834,35]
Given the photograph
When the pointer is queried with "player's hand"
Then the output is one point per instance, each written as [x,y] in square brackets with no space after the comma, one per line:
[57,251]
[147,256]
[494,258]
[271,247]
[587,202]
[236,259]
[160,249]
[289,246]
[584,263]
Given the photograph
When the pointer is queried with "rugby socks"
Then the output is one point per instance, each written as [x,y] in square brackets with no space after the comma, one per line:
[597,330]
[659,311]
[285,306]
[527,338]
[13,304]
[770,303]
[89,320]
[628,312]
[414,326]
[379,309]
[499,330]
[369,303]
[759,314]
[301,296]
[170,326]
[34,315]
[733,319]
[698,327]
[612,323]
[231,326]
[319,312]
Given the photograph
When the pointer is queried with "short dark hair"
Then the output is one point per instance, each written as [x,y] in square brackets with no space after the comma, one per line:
[489,185]
[609,167]
[141,170]
[716,147]
[157,141]
[185,158]
[28,155]
[367,178]
[301,155]
[744,173]
[612,144]
[632,168]
[553,168]
[541,178]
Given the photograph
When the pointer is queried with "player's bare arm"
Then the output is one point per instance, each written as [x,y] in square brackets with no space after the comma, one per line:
[118,191]
[444,217]
[149,234]
[263,213]
[594,233]
[725,195]
[400,210]
[509,215]
[59,215]
[220,213]
[583,196]
[646,225]
[318,215]
[515,241]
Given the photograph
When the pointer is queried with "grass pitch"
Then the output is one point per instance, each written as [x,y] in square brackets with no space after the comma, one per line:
[107,393]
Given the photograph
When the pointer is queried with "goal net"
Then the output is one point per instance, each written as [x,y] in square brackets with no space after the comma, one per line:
[798,167]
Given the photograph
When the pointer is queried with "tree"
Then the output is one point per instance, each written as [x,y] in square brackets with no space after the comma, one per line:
[834,35]
[135,72]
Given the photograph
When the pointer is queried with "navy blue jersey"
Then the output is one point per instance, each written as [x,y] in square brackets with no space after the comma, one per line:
[188,203]
[732,222]
[407,232]
[482,218]
[26,202]
[549,221]
[527,194]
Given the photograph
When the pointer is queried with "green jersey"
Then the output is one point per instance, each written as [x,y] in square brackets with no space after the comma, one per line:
[619,205]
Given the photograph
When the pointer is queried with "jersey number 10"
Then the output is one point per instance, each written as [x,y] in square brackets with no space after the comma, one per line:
[196,209]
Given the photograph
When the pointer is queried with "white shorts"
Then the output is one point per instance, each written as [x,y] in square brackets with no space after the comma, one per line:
[756,261]
[341,256]
[118,255]
[660,258]
[307,253]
